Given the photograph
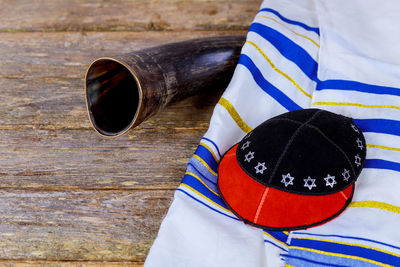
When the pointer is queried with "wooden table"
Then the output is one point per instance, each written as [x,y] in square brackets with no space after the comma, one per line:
[69,197]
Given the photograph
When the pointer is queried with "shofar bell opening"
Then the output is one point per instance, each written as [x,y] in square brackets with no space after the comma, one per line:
[123,91]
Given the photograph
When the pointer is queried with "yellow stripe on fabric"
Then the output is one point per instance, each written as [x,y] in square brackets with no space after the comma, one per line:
[349,244]
[198,178]
[384,147]
[286,233]
[209,149]
[287,265]
[308,38]
[205,164]
[203,196]
[339,255]
[278,70]
[235,115]
[375,205]
[354,105]
[275,239]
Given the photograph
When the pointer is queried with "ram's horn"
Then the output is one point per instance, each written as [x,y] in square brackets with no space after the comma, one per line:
[123,91]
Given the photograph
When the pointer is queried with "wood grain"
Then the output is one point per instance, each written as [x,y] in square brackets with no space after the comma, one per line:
[84,225]
[154,155]
[119,15]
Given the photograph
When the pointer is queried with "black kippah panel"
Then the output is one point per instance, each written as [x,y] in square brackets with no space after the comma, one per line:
[309,151]
[345,133]
[301,115]
[313,164]
[259,152]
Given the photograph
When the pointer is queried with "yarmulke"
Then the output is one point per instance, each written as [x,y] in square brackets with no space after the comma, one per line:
[293,171]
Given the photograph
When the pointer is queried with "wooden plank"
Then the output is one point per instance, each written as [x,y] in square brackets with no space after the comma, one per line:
[119,15]
[154,155]
[80,226]
[46,140]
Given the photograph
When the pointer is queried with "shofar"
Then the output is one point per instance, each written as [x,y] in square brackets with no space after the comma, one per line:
[125,90]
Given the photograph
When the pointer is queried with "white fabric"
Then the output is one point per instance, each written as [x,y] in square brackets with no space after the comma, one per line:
[192,236]
[357,41]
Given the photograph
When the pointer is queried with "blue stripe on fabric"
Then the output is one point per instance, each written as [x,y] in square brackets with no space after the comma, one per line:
[294,22]
[329,258]
[382,164]
[278,235]
[204,178]
[298,260]
[379,126]
[272,243]
[349,237]
[206,155]
[208,206]
[271,90]
[201,167]
[214,144]
[347,250]
[357,86]
[199,187]
[208,182]
[288,49]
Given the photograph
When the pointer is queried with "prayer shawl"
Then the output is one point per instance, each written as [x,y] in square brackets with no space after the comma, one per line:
[341,56]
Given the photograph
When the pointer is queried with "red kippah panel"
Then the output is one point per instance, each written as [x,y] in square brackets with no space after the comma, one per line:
[279,209]
[233,188]
[283,209]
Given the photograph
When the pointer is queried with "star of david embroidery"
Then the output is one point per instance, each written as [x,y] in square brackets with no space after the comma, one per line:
[360,144]
[346,175]
[308,184]
[355,128]
[262,169]
[287,179]
[249,156]
[245,145]
[357,160]
[330,180]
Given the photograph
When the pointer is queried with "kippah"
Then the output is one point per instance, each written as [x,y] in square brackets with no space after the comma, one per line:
[293,171]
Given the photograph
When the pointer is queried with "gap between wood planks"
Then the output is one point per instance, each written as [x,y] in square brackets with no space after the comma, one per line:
[82,189]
